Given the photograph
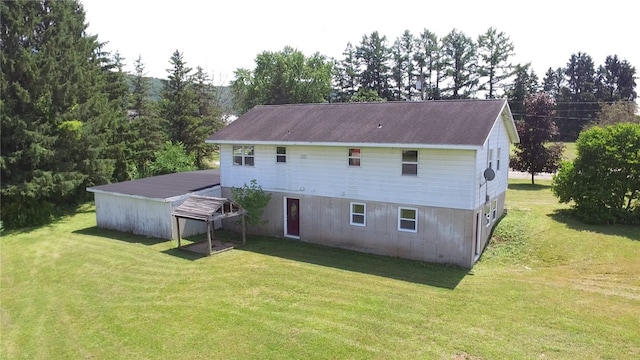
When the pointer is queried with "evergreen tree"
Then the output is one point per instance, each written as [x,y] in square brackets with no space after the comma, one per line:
[147,135]
[576,103]
[374,54]
[553,81]
[615,81]
[524,84]
[402,72]
[346,73]
[460,59]
[209,112]
[55,109]
[429,65]
[533,154]
[494,50]
[180,107]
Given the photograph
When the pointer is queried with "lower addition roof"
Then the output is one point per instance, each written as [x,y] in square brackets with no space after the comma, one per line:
[163,186]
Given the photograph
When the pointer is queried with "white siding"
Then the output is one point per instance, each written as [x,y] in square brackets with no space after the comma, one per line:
[445,178]
[135,215]
[148,217]
[498,138]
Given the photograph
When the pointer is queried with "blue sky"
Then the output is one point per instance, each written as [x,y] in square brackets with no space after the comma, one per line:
[223,36]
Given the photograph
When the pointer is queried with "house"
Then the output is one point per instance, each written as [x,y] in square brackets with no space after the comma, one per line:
[145,206]
[403,179]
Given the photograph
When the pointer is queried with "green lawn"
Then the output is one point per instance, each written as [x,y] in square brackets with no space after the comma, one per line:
[547,287]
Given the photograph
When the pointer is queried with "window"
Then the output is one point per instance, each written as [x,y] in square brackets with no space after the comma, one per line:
[243,155]
[408,219]
[358,214]
[487,213]
[494,210]
[409,162]
[498,160]
[354,157]
[491,159]
[281,154]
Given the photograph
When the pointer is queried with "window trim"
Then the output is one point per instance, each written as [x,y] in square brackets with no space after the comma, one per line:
[282,156]
[487,213]
[494,210]
[490,158]
[403,162]
[352,213]
[498,159]
[244,149]
[357,160]
[400,219]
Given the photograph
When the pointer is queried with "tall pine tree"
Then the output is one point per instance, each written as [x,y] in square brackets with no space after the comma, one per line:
[56,109]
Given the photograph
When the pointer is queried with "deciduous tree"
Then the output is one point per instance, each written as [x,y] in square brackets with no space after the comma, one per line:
[534,154]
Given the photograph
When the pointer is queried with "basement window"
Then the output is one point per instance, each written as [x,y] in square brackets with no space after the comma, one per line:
[409,162]
[354,157]
[243,155]
[494,210]
[487,213]
[407,219]
[358,214]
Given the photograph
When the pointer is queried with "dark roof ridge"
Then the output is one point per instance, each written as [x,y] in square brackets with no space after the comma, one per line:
[379,102]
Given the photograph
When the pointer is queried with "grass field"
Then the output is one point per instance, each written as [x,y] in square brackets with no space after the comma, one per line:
[547,287]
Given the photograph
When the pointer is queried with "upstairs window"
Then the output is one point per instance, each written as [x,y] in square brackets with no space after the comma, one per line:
[498,160]
[408,219]
[243,155]
[409,162]
[354,157]
[358,214]
[281,154]
[490,158]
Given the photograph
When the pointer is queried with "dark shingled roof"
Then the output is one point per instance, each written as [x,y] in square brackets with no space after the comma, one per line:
[436,122]
[164,186]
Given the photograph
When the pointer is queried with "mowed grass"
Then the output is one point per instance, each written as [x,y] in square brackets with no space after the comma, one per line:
[546,287]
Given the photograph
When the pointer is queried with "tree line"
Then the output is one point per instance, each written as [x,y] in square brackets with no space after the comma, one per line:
[425,66]
[71,118]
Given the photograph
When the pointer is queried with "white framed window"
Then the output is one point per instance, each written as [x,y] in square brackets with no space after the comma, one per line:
[494,210]
[410,162]
[490,158]
[487,213]
[407,219]
[498,159]
[354,157]
[281,154]
[243,155]
[358,214]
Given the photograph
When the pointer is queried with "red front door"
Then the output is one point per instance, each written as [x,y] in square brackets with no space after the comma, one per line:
[293,217]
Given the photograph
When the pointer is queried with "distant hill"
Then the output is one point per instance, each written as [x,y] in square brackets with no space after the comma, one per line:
[224,93]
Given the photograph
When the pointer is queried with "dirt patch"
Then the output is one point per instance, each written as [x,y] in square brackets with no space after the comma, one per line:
[216,246]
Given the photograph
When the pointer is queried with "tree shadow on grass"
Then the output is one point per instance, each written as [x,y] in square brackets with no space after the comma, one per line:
[120,236]
[529,187]
[143,240]
[438,275]
[565,216]
[58,215]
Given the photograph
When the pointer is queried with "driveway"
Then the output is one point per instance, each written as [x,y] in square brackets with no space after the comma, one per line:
[525,175]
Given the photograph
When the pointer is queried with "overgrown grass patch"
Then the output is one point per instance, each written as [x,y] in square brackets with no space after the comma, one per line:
[546,287]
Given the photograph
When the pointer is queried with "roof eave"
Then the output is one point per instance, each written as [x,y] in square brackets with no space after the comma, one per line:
[352,144]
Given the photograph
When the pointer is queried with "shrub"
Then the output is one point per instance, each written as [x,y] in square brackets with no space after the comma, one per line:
[604,179]
[253,199]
